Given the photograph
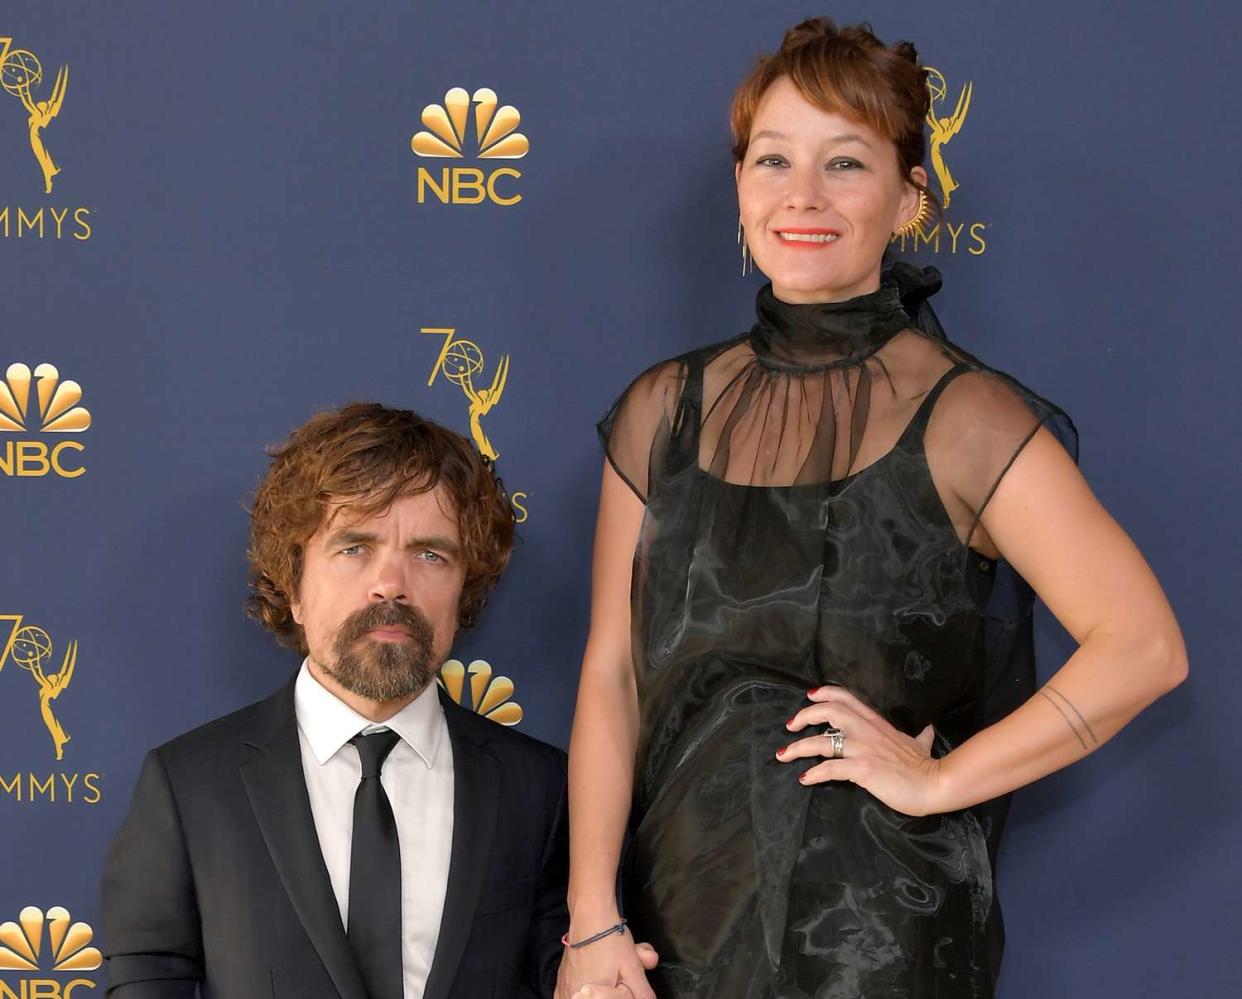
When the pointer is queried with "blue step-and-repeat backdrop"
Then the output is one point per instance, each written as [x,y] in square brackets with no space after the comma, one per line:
[216,218]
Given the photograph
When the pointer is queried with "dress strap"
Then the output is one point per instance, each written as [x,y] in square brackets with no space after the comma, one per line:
[911,439]
[923,414]
[690,405]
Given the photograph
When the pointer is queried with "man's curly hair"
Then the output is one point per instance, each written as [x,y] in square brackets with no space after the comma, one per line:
[363,457]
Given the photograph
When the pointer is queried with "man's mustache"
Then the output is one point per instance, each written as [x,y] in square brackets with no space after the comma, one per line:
[387,614]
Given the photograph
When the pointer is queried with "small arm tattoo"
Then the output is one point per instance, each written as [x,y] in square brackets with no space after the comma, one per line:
[1078,713]
[1078,724]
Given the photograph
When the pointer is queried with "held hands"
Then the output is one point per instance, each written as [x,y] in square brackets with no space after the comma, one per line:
[612,968]
[896,769]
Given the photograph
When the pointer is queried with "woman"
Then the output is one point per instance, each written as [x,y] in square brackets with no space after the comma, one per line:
[839,500]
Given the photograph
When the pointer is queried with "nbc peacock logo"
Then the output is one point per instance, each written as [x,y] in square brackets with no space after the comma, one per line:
[51,408]
[58,409]
[486,694]
[447,132]
[21,947]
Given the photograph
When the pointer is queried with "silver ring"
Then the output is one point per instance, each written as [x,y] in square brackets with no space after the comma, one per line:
[838,742]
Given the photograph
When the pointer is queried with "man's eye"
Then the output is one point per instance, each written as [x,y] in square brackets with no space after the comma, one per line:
[351,550]
[431,556]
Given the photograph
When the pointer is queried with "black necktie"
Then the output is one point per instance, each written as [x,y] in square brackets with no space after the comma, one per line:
[375,875]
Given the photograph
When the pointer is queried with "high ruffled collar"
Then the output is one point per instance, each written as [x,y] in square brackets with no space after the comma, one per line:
[838,334]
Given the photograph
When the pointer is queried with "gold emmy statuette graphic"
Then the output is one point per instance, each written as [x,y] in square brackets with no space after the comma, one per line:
[494,127]
[944,128]
[20,73]
[461,360]
[488,695]
[21,943]
[31,648]
[59,411]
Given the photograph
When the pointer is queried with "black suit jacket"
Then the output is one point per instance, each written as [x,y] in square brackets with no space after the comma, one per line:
[216,880]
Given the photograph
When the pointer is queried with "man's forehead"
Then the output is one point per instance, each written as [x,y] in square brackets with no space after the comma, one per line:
[344,513]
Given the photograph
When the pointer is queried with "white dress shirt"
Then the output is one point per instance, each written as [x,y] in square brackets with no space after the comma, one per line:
[418,779]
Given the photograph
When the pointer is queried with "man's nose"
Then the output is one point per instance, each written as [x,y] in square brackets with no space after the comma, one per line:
[389,581]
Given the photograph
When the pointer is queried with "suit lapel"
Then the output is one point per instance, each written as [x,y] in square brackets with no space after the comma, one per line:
[476,804]
[277,790]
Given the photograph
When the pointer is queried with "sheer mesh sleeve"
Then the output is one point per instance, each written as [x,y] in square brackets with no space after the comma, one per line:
[976,433]
[979,427]
[635,431]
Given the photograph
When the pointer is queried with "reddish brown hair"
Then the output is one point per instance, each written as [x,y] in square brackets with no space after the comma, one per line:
[364,456]
[849,72]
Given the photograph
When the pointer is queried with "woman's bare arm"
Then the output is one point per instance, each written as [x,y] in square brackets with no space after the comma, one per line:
[1047,523]
[601,754]
[1051,528]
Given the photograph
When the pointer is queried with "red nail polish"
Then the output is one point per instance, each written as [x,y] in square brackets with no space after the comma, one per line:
[804,776]
[792,719]
[812,691]
[782,751]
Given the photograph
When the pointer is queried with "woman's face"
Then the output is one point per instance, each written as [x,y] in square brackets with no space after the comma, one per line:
[820,196]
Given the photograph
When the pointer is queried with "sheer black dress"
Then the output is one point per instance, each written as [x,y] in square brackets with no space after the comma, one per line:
[813,490]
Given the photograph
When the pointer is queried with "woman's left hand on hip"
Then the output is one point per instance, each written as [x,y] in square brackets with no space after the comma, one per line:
[897,769]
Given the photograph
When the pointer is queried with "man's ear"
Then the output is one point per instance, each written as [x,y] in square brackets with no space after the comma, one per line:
[295,598]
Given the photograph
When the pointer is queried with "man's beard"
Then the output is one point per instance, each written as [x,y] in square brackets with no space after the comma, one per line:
[383,671]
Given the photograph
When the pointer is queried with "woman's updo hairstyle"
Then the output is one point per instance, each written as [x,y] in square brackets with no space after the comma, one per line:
[850,72]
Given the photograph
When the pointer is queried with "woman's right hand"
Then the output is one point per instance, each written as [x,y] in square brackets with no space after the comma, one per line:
[607,965]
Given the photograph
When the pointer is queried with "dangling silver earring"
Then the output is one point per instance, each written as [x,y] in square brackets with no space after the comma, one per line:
[747,264]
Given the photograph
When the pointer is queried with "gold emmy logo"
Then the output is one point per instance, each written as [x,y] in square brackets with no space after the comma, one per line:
[21,76]
[53,410]
[20,73]
[946,234]
[30,648]
[495,132]
[460,361]
[944,127]
[488,695]
[21,943]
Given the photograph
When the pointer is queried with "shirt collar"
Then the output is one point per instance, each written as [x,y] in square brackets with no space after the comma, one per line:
[329,723]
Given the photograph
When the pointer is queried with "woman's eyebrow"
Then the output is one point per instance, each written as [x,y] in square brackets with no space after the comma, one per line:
[835,140]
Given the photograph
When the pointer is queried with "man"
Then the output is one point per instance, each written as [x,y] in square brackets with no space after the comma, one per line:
[356,834]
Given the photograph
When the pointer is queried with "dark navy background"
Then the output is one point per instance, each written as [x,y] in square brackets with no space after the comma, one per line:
[257,252]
